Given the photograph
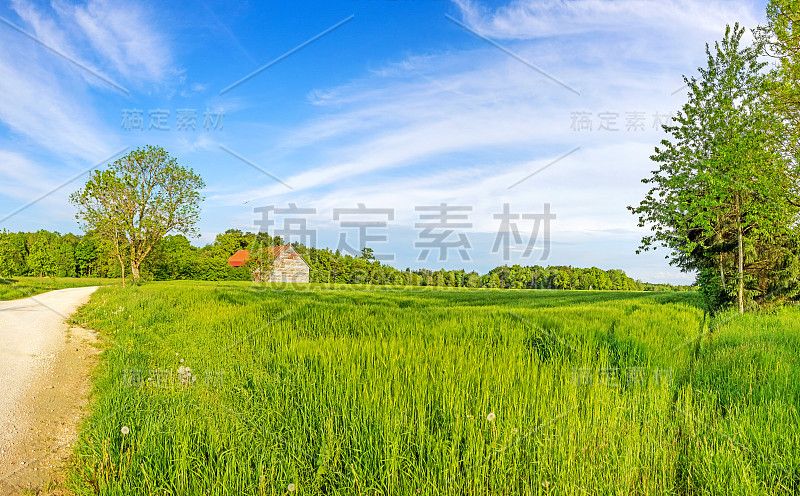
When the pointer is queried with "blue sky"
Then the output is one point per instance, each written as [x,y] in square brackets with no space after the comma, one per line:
[407,103]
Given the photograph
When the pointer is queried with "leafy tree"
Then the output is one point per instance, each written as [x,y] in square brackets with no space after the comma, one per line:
[86,255]
[262,259]
[41,258]
[138,200]
[563,279]
[368,254]
[66,259]
[173,258]
[7,256]
[781,41]
[724,190]
[231,241]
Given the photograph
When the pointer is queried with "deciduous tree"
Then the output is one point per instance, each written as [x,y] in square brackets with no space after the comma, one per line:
[725,195]
[138,200]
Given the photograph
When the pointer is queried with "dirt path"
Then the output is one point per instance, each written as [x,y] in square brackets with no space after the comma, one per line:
[44,384]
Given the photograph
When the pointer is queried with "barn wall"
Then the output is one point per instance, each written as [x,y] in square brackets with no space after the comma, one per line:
[289,267]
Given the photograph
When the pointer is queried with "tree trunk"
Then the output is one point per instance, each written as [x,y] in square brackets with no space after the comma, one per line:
[722,272]
[741,272]
[122,266]
[135,271]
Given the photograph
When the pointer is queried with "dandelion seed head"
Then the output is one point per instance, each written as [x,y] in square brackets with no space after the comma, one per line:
[291,488]
[490,417]
[545,484]
[125,430]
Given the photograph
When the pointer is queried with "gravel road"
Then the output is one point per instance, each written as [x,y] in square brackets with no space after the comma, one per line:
[44,383]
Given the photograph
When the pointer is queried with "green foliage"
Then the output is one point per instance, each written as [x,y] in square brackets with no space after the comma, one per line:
[41,260]
[138,200]
[781,40]
[10,258]
[174,258]
[67,264]
[725,195]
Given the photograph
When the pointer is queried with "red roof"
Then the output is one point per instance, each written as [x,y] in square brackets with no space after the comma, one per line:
[240,257]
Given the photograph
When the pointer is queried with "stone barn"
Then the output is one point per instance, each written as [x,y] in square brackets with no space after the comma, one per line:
[287,265]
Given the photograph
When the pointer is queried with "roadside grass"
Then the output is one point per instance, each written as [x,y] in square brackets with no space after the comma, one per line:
[23,287]
[320,390]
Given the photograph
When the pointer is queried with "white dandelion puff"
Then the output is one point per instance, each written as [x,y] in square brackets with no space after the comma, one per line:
[291,488]
[125,430]
[490,417]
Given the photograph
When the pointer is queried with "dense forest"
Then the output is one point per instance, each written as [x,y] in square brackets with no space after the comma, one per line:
[45,253]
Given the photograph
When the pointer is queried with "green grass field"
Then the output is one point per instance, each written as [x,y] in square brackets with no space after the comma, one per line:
[316,390]
[24,287]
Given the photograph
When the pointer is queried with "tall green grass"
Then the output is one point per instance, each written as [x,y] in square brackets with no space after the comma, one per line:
[24,287]
[419,391]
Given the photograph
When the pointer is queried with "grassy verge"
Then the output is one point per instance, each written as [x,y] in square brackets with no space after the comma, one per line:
[23,287]
[414,391]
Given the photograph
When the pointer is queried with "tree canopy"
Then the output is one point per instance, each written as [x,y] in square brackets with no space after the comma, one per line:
[724,198]
[138,200]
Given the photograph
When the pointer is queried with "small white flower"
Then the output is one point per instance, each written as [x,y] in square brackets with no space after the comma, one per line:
[490,417]
[291,488]
[125,430]
[181,360]
[181,369]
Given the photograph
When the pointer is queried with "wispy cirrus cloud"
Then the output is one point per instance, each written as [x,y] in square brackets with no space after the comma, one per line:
[115,39]
[62,65]
[46,108]
[462,125]
[122,35]
[49,99]
[531,19]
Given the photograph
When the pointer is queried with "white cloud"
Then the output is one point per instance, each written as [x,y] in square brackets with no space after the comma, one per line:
[47,108]
[20,178]
[47,99]
[530,19]
[462,126]
[49,103]
[123,36]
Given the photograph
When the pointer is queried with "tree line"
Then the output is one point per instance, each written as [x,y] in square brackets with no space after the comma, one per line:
[44,254]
